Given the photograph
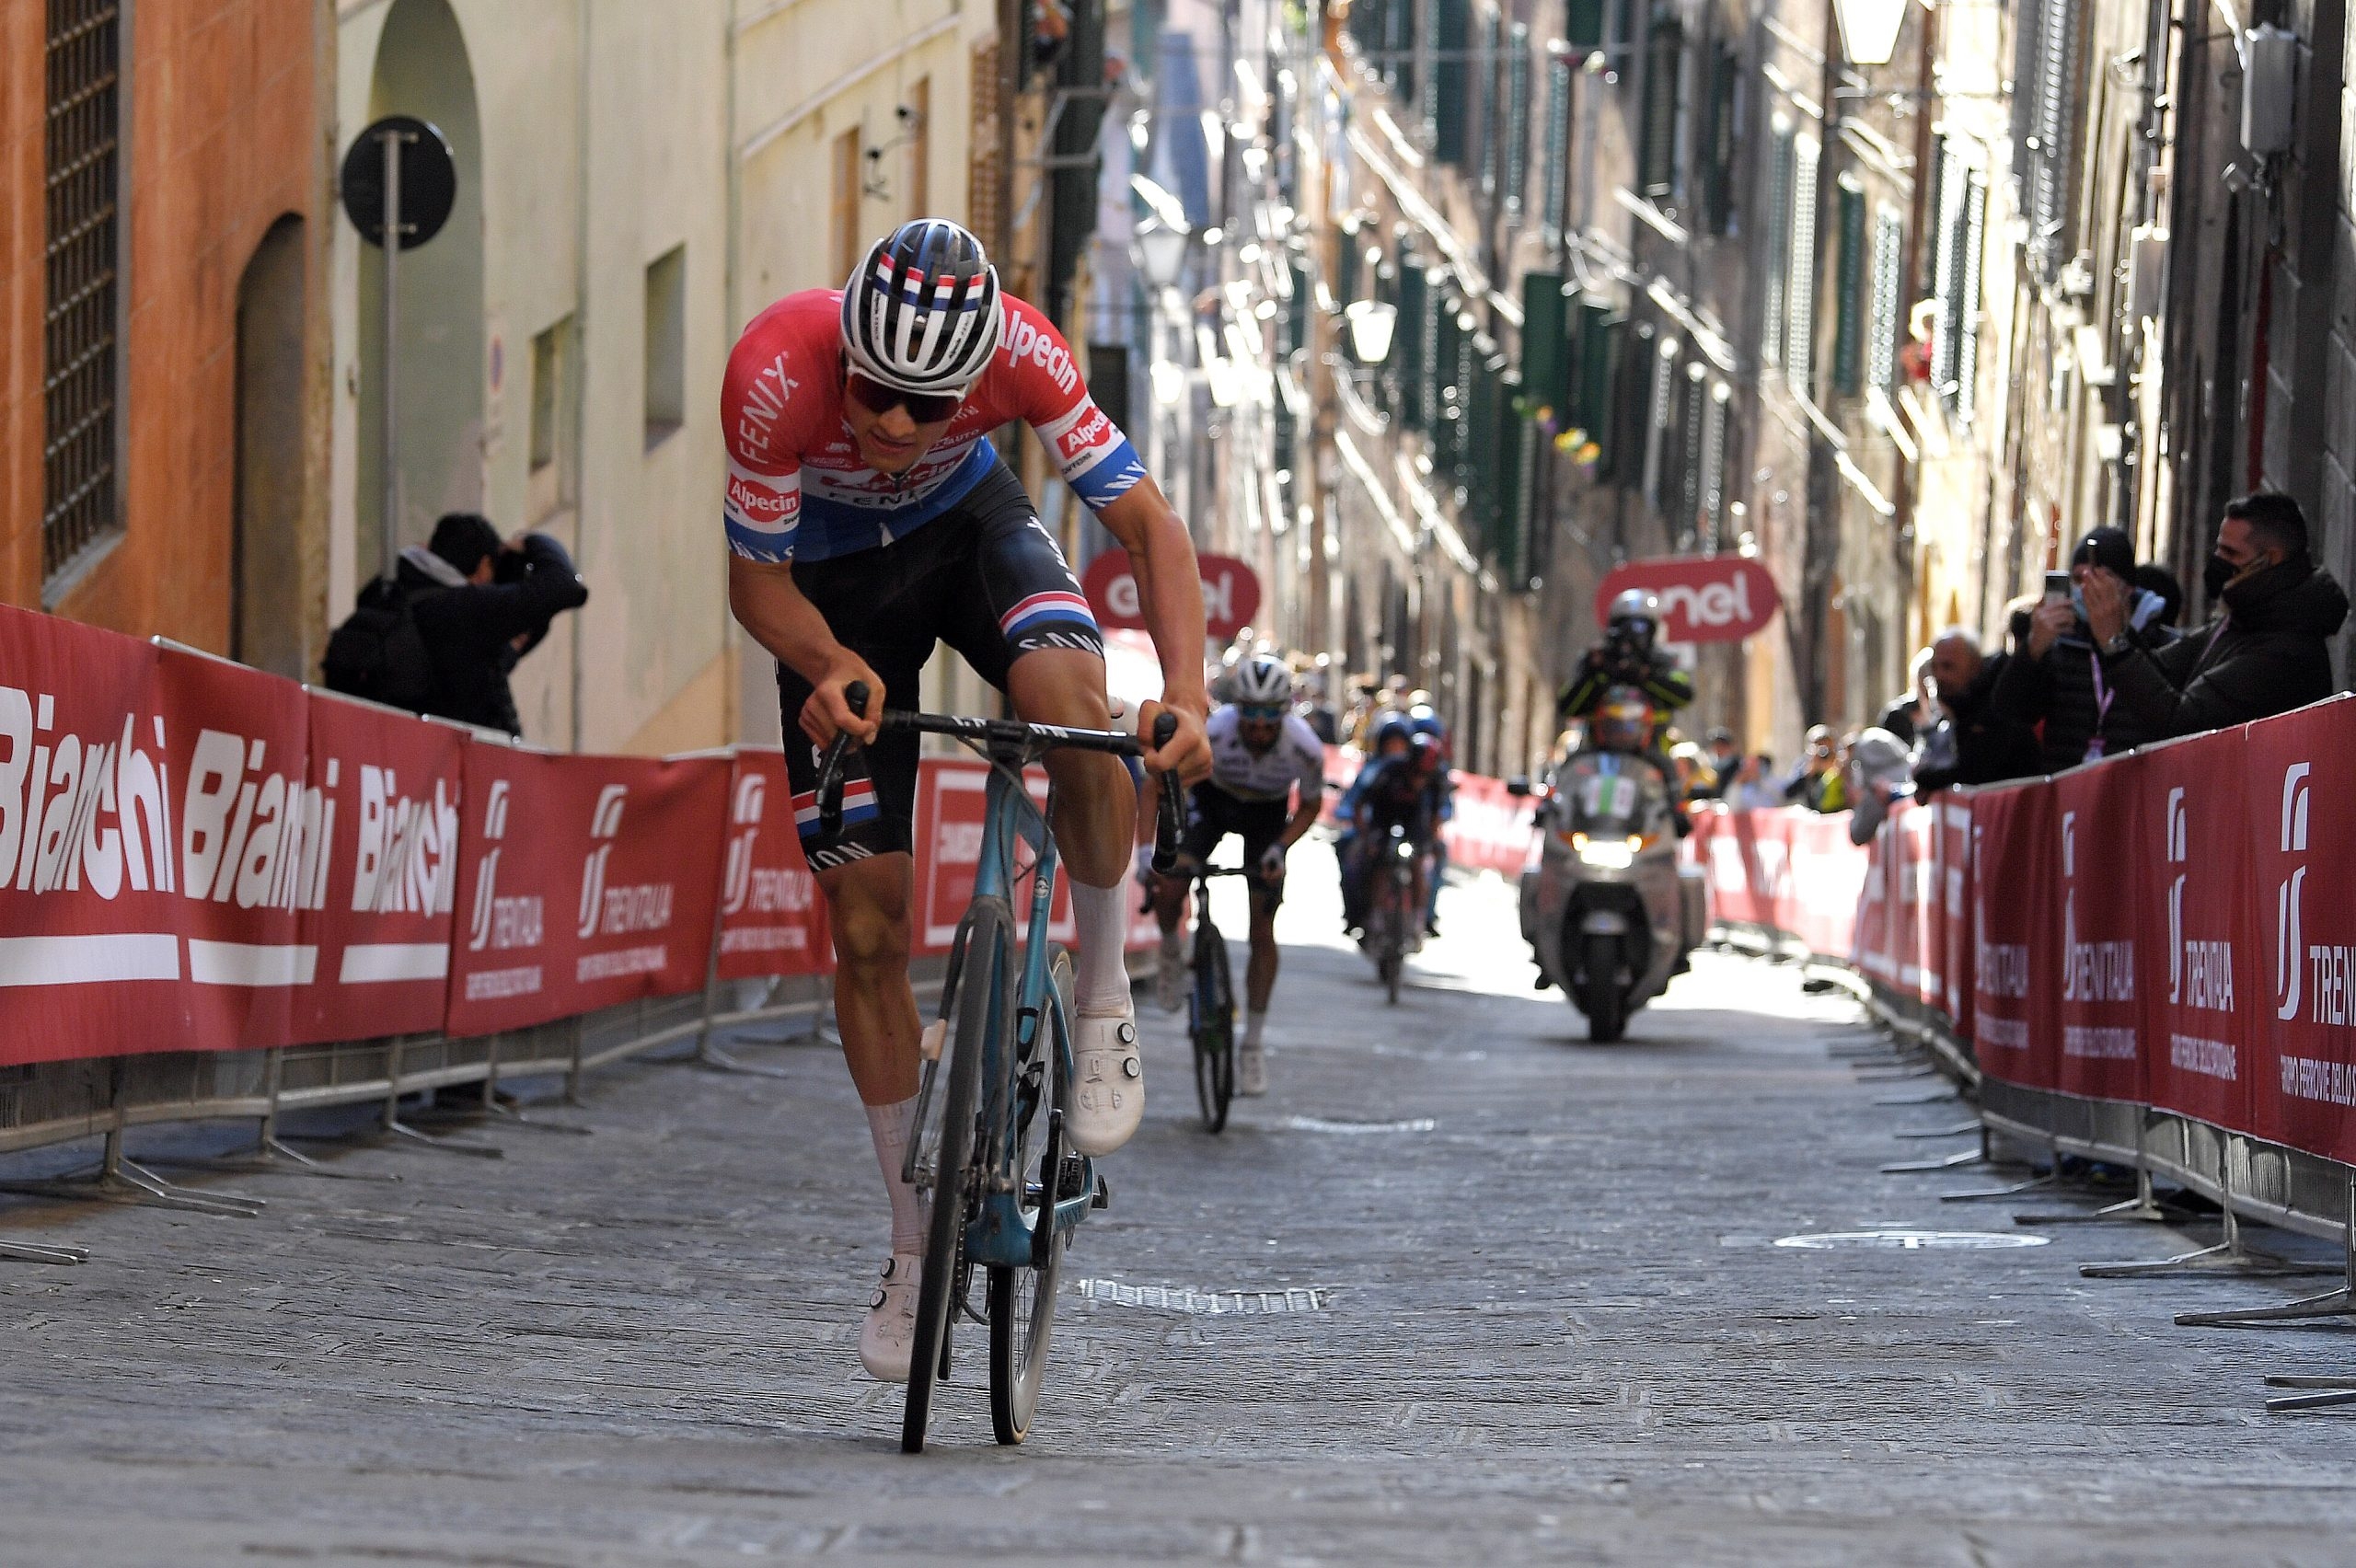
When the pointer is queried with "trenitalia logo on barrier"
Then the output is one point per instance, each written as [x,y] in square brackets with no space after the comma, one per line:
[771,918]
[2149,929]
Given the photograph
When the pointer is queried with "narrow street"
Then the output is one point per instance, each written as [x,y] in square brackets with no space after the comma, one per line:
[1506,1297]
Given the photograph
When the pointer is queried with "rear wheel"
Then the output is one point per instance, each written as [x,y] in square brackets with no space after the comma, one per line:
[1214,1026]
[1600,997]
[1399,894]
[945,1147]
[1023,1301]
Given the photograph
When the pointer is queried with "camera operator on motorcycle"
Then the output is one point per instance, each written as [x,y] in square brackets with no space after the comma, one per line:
[1405,785]
[1266,787]
[1626,657]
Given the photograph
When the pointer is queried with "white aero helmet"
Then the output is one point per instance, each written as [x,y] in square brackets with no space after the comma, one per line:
[920,313]
[1261,682]
[1636,610]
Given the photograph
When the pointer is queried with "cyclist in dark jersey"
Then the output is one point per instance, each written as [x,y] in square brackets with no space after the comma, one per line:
[867,517]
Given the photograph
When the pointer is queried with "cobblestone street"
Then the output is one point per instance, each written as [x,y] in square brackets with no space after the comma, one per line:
[1506,1297]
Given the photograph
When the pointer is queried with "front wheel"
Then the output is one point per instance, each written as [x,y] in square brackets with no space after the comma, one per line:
[1600,997]
[1023,1301]
[1214,1026]
[946,1147]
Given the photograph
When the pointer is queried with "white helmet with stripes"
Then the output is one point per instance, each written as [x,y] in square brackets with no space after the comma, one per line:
[1261,682]
[920,313]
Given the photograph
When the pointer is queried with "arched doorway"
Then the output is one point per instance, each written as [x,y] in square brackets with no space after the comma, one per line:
[266,625]
[421,69]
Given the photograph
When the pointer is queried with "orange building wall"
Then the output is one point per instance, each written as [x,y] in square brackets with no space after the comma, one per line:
[223,124]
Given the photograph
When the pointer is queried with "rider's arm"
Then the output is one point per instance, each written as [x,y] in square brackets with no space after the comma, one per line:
[1668,685]
[770,604]
[1169,597]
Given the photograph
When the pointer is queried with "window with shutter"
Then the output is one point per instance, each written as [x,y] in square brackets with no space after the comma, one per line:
[1596,368]
[1849,287]
[1558,143]
[1713,465]
[1509,528]
[1657,139]
[1447,109]
[1516,121]
[1582,24]
[1779,237]
[1638,369]
[2048,51]
[1399,49]
[1492,121]
[1967,358]
[1799,303]
[1946,283]
[1882,316]
[1690,438]
[1660,408]
[1408,339]
[1546,344]
[1724,110]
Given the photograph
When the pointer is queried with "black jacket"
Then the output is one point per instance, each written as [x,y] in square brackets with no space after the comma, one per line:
[2266,654]
[1989,747]
[471,632]
[1610,664]
[1898,718]
[2059,690]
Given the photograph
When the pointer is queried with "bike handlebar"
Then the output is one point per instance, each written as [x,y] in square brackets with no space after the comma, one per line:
[1013,733]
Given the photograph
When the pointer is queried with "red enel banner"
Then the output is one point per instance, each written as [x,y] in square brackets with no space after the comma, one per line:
[771,919]
[1703,598]
[91,916]
[381,801]
[584,882]
[1231,592]
[2300,774]
[2014,982]
[251,849]
[2096,821]
[2202,995]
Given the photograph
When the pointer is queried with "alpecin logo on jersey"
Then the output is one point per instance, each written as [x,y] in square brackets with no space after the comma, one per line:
[1024,340]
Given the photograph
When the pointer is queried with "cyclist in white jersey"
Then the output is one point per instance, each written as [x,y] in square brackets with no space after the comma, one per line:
[1266,786]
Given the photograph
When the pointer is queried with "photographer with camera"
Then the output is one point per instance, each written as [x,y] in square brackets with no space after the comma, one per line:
[1626,657]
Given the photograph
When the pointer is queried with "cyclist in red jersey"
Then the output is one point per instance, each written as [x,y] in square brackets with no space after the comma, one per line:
[867,517]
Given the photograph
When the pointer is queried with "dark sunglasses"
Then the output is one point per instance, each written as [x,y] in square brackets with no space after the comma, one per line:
[924,408]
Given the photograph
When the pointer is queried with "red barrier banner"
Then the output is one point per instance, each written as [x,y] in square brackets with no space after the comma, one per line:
[585,881]
[1824,884]
[951,802]
[1920,947]
[1875,937]
[2096,821]
[1748,855]
[1952,909]
[381,804]
[772,920]
[2192,858]
[1491,830]
[2301,774]
[91,919]
[2012,969]
[240,743]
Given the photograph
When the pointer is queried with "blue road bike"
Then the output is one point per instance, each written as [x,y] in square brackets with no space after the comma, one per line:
[1006,1188]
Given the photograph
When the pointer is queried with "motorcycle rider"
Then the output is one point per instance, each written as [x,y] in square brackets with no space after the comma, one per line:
[1403,787]
[1626,657]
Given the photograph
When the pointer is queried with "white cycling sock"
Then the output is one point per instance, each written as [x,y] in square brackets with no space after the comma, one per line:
[1252,1023]
[892,1126]
[1101,968]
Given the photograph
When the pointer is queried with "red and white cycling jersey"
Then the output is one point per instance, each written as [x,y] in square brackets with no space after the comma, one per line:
[797,487]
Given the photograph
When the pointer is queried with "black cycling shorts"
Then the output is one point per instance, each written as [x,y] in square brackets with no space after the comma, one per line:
[1212,814]
[985,578]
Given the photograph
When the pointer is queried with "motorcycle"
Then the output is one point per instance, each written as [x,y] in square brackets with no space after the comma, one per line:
[1610,913]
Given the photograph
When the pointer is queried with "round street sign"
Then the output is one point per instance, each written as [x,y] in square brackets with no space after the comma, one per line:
[429,180]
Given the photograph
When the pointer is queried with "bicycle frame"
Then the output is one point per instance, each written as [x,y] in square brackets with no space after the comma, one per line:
[1000,1233]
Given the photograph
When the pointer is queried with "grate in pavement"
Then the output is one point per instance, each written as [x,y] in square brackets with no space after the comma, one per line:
[1319,1124]
[1213,1303]
[1905,1240]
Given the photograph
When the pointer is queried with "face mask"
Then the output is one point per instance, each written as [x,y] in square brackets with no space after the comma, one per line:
[2217,574]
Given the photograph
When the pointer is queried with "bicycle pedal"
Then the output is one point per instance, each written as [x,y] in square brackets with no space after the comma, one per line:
[1104,1198]
[1071,1179]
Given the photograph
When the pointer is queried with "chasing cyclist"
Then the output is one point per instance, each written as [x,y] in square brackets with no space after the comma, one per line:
[1266,786]
[1405,785]
[868,517]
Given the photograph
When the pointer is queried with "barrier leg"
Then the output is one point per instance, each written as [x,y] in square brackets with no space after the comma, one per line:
[272,1154]
[2334,1303]
[1954,1132]
[391,1126]
[2143,1208]
[26,1252]
[2045,1181]
[2228,1257]
[1936,1097]
[121,1180]
[1955,1161]
[492,1108]
[708,1056]
[2345,1396]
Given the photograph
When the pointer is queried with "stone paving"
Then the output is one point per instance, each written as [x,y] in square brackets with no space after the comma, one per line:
[1504,1297]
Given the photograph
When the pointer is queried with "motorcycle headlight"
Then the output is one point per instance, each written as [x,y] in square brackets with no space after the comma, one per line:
[1610,854]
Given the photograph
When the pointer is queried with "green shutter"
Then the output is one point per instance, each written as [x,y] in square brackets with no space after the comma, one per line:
[1779,239]
[1582,24]
[1719,142]
[1656,140]
[1558,141]
[1849,285]
[1304,290]
[1545,343]
[1447,111]
[1492,131]
[1516,123]
[1509,536]
[1601,332]
[1408,341]
[1631,412]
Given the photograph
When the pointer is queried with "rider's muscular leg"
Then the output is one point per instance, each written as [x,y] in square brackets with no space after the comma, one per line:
[1095,815]
[1260,975]
[868,903]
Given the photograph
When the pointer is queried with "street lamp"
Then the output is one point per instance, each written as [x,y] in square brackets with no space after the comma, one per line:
[1161,250]
[1869,28]
[1371,324]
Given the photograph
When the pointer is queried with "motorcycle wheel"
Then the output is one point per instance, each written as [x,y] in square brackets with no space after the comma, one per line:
[1605,1004]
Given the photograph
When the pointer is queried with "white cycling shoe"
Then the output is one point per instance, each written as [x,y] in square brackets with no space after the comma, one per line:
[886,1339]
[1108,1084]
[1251,1071]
